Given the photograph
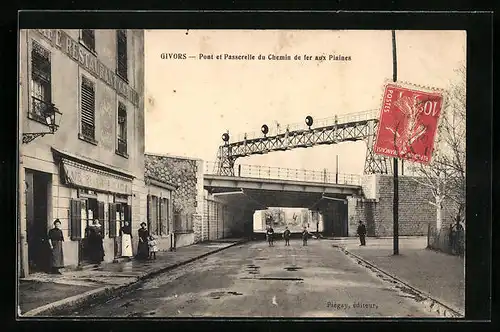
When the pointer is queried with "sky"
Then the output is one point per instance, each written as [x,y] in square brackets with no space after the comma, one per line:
[191,102]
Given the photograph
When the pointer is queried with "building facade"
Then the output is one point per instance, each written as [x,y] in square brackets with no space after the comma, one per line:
[90,83]
[185,176]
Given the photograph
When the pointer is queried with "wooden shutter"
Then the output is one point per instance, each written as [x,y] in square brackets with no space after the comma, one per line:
[100,215]
[148,211]
[164,214]
[40,63]
[88,38]
[153,229]
[88,107]
[75,222]
[127,215]
[168,215]
[112,219]
[121,45]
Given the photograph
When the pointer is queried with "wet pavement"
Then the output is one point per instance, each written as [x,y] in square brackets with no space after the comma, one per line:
[40,289]
[432,272]
[36,293]
[254,280]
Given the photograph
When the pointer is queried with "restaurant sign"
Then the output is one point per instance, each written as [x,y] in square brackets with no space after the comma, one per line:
[85,177]
[73,49]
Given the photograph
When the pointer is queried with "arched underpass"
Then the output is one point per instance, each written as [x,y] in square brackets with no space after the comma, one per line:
[254,194]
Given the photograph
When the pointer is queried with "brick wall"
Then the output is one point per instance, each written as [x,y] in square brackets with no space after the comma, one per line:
[415,211]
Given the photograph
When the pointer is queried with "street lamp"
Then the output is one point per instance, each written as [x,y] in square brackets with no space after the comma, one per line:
[47,114]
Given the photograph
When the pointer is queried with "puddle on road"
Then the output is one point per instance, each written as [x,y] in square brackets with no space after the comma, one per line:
[280,279]
[218,295]
[293,268]
[261,259]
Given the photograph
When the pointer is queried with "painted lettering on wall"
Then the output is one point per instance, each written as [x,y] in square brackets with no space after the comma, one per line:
[107,125]
[101,182]
[89,61]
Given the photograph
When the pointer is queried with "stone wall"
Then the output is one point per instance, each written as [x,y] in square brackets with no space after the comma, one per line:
[415,211]
[187,174]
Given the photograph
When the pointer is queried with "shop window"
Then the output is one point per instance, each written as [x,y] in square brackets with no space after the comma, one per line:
[87,109]
[88,39]
[121,146]
[41,86]
[121,51]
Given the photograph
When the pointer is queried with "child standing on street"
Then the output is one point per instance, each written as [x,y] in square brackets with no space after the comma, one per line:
[153,247]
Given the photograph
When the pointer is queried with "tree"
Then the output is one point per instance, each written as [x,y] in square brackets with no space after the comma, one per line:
[445,174]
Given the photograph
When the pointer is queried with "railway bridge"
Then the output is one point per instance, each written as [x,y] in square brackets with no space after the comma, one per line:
[341,199]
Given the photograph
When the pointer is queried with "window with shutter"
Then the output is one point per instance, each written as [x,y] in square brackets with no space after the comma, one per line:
[121,147]
[88,108]
[75,219]
[88,39]
[121,51]
[154,215]
[112,207]
[41,95]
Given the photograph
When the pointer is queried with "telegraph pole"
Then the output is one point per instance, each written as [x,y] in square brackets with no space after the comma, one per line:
[395,207]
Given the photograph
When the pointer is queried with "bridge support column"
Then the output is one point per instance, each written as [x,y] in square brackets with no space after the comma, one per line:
[225,163]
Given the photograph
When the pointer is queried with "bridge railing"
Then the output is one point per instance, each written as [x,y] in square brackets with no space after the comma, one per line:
[274,129]
[281,173]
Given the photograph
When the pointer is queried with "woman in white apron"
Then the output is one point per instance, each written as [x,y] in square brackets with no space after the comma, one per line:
[126,234]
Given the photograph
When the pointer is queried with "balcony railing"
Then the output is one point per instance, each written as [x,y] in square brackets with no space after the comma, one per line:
[294,174]
[88,131]
[121,146]
[42,110]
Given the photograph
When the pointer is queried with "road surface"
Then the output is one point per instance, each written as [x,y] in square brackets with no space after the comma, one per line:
[254,280]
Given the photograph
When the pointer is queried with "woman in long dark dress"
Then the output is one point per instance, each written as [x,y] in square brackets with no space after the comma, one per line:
[94,241]
[142,248]
[56,239]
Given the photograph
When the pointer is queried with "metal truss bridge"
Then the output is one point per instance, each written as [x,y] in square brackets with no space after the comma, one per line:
[333,130]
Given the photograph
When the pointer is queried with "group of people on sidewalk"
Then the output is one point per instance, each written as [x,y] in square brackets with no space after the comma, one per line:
[94,234]
[286,235]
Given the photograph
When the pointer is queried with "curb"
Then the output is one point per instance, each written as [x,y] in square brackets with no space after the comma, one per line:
[107,293]
[445,310]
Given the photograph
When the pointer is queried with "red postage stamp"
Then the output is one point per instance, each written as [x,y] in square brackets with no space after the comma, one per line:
[408,123]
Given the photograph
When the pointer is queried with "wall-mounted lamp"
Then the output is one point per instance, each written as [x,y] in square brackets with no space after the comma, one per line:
[46,113]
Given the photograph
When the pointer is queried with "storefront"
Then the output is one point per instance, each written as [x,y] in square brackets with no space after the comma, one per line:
[96,192]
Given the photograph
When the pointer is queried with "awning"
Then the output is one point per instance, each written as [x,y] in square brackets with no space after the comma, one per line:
[84,176]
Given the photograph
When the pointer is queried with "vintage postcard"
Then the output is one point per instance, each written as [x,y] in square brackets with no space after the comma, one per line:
[242,173]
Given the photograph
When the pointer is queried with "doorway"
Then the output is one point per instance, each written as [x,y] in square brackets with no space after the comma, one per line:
[89,213]
[37,216]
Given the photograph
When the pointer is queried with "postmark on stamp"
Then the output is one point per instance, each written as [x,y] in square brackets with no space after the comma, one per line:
[408,122]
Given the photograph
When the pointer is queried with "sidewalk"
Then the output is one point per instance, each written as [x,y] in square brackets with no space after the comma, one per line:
[440,275]
[41,293]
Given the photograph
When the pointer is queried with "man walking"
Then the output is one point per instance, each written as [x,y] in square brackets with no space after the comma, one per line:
[305,234]
[286,236]
[362,233]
